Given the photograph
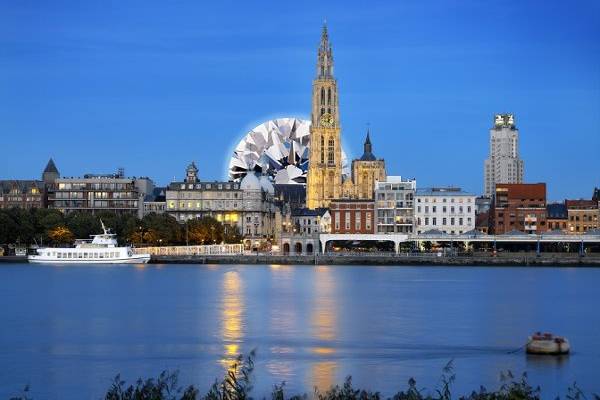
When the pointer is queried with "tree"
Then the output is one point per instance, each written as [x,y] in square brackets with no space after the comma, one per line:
[8,228]
[61,235]
[25,225]
[205,230]
[232,235]
[83,224]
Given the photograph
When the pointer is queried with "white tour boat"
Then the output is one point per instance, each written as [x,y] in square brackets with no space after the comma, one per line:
[547,343]
[102,249]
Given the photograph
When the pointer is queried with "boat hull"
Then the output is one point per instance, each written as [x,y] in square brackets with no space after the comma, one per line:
[549,347]
[135,259]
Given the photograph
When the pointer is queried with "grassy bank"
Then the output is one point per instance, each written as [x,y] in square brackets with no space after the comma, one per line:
[238,381]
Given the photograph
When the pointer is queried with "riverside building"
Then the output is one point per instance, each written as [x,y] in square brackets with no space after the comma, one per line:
[519,207]
[503,164]
[394,205]
[30,193]
[246,206]
[94,193]
[446,209]
[583,216]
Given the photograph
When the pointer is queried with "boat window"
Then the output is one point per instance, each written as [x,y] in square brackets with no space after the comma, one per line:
[101,255]
[85,255]
[59,255]
[80,255]
[70,255]
[95,255]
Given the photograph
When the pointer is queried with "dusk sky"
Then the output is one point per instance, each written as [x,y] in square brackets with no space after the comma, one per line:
[151,86]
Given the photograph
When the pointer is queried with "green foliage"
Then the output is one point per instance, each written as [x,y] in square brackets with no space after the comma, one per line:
[82,224]
[206,230]
[163,388]
[238,380]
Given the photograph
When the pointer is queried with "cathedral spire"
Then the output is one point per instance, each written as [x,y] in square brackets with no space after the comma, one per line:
[325,56]
[368,149]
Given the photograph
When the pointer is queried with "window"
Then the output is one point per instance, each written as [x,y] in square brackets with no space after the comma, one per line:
[433,209]
[330,151]
[434,220]
[347,221]
[357,224]
[443,221]
[452,221]
[337,220]
[426,221]
[368,221]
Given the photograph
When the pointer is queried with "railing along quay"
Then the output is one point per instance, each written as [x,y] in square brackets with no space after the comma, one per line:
[201,250]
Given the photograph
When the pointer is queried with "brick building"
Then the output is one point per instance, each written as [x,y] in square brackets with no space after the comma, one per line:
[352,216]
[583,215]
[519,207]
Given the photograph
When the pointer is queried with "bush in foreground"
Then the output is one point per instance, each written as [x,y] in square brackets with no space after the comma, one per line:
[237,385]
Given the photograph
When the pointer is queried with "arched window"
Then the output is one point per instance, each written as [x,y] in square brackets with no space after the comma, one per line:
[322,149]
[329,96]
[330,151]
[322,96]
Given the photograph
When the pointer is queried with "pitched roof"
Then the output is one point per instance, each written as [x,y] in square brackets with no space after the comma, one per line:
[557,211]
[306,212]
[51,167]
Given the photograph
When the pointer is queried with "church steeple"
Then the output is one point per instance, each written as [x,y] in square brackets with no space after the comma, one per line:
[368,149]
[325,56]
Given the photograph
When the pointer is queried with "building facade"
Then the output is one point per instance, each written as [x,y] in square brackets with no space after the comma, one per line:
[21,194]
[17,193]
[503,164]
[352,216]
[246,206]
[582,216]
[394,205]
[557,217]
[519,207]
[306,226]
[95,193]
[446,209]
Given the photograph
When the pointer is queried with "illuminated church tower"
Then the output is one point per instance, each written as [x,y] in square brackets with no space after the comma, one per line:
[324,181]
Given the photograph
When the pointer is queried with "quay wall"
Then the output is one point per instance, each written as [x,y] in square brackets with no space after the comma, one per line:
[513,260]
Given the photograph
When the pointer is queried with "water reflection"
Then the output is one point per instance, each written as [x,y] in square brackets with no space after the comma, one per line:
[324,329]
[283,320]
[232,318]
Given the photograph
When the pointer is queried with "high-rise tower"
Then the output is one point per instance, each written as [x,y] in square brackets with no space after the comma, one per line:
[503,164]
[324,180]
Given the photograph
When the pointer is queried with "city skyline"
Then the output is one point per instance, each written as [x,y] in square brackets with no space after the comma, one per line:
[166,131]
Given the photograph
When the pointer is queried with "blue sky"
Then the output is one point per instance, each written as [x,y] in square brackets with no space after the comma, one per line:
[151,86]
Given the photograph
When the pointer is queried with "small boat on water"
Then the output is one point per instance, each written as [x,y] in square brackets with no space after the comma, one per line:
[547,343]
[101,249]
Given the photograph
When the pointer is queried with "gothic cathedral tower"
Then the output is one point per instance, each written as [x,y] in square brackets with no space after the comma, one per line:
[324,181]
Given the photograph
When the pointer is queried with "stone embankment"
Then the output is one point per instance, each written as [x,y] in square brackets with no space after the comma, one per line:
[362,259]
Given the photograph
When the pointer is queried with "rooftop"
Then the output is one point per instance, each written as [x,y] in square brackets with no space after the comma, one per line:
[442,191]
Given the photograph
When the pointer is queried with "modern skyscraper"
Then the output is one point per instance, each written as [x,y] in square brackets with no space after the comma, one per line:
[503,164]
[324,180]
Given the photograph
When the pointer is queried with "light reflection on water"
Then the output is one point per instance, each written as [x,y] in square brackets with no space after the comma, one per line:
[324,328]
[232,319]
[72,329]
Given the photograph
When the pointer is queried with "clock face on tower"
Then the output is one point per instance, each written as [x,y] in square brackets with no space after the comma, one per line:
[326,120]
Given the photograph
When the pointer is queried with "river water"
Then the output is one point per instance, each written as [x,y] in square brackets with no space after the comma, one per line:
[68,330]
